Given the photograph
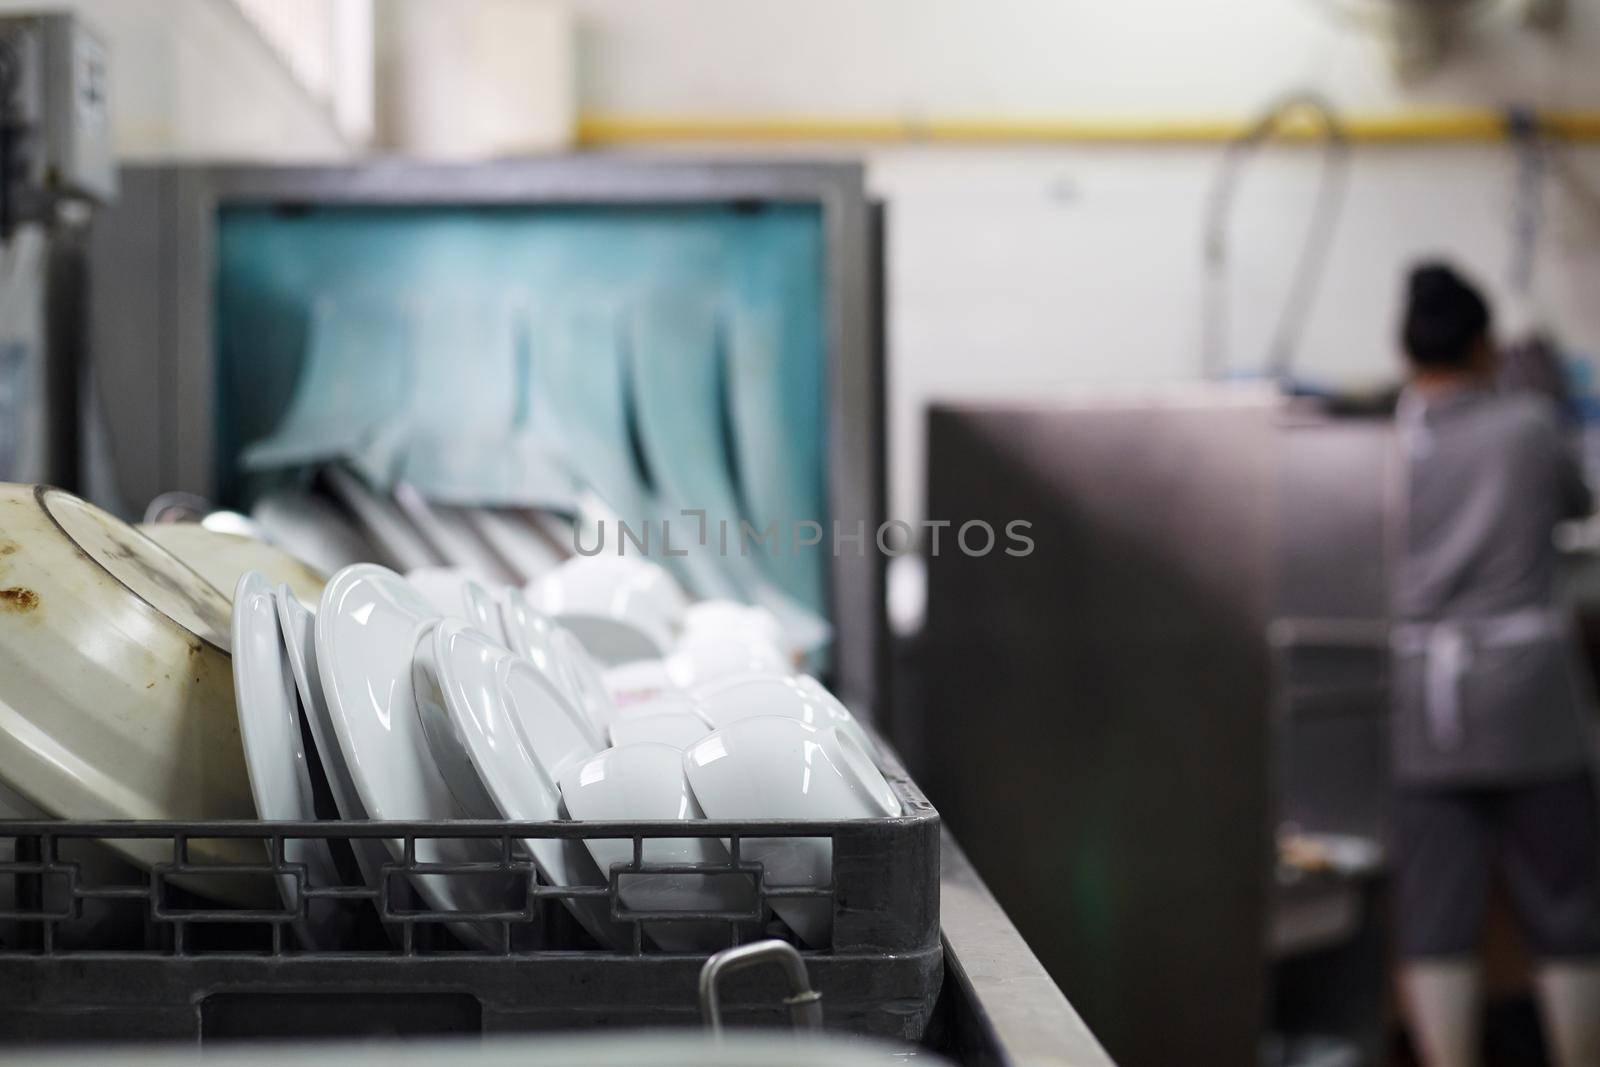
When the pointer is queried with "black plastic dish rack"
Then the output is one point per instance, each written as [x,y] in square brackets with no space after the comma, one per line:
[145,960]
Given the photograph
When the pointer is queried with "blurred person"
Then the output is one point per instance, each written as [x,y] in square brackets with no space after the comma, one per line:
[1490,735]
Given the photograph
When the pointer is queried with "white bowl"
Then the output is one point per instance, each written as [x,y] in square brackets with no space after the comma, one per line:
[622,608]
[646,782]
[680,729]
[727,700]
[732,617]
[769,767]
[705,657]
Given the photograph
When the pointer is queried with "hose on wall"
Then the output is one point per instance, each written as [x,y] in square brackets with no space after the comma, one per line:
[1312,262]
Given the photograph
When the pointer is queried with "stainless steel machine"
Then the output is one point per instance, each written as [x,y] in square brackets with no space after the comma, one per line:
[55,165]
[1191,663]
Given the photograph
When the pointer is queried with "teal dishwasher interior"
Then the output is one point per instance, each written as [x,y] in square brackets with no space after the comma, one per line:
[757,265]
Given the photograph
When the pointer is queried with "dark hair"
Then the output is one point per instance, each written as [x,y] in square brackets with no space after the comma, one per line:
[1445,317]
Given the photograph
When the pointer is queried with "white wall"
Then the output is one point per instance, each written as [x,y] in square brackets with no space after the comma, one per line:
[1026,272]
[1036,57]
[192,79]
[470,80]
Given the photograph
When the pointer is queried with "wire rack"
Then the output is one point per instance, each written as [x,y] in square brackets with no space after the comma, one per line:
[151,951]
[53,891]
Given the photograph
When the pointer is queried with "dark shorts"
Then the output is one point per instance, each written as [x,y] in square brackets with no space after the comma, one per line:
[1542,839]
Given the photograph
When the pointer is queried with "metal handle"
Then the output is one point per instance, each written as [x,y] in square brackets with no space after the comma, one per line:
[803,1002]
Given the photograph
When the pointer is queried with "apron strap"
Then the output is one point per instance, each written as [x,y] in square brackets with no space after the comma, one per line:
[1448,648]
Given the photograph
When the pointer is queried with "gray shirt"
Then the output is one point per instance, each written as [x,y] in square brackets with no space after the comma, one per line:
[1486,478]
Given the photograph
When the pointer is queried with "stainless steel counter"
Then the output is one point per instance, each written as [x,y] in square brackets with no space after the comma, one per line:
[1005,1009]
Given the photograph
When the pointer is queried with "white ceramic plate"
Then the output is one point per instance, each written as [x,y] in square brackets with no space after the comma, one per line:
[430,678]
[529,633]
[560,655]
[511,725]
[444,588]
[299,635]
[484,613]
[454,593]
[646,782]
[780,768]
[269,724]
[367,631]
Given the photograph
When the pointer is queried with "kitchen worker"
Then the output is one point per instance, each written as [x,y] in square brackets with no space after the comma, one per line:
[1490,735]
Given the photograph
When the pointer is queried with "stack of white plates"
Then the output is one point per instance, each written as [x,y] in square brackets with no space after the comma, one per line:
[437,698]
[130,688]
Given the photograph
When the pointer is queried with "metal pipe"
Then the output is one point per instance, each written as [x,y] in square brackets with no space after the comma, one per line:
[803,1002]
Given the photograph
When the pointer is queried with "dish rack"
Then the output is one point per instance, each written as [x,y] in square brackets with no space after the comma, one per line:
[142,958]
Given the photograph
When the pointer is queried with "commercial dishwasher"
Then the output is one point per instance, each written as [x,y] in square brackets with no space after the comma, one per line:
[205,285]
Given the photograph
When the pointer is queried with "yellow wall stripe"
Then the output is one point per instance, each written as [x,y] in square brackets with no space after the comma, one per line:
[601,129]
